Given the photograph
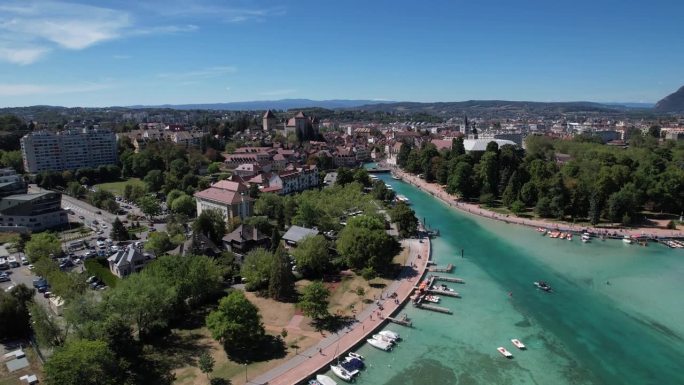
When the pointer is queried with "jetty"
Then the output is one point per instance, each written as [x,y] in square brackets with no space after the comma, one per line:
[438,309]
[441,269]
[447,279]
[404,321]
[444,292]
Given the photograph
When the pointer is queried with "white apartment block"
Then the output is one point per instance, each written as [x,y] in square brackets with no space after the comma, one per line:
[68,150]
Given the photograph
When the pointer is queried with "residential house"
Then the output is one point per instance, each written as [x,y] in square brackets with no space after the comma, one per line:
[228,197]
[295,234]
[128,261]
[245,238]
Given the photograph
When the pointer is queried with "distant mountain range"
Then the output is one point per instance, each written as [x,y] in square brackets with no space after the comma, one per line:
[673,102]
[282,104]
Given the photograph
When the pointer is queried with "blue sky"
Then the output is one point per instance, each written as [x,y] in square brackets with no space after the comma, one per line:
[104,53]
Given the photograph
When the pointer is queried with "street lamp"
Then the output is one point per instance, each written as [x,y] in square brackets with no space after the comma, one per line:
[245,373]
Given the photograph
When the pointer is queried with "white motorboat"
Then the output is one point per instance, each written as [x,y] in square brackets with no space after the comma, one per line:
[380,344]
[342,372]
[390,334]
[627,239]
[504,352]
[543,285]
[431,298]
[403,199]
[356,355]
[325,380]
[383,338]
[518,344]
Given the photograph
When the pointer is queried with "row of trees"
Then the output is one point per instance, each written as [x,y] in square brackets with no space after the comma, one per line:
[598,183]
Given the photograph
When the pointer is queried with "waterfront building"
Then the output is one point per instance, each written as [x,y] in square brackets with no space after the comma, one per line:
[68,150]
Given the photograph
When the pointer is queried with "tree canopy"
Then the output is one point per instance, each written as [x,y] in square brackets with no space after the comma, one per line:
[236,322]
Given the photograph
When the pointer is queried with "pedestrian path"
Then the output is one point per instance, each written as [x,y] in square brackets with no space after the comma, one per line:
[312,360]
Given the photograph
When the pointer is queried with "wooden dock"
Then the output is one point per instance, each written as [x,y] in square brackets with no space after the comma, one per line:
[449,279]
[438,309]
[404,321]
[441,269]
[445,292]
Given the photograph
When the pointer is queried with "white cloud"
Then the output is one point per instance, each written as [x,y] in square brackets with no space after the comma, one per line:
[22,56]
[211,9]
[202,73]
[278,92]
[43,89]
[164,29]
[121,57]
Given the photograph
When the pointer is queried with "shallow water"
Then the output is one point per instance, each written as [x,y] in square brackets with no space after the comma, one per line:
[614,316]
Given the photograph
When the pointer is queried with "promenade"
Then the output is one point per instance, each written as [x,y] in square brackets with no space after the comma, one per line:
[316,359]
[439,192]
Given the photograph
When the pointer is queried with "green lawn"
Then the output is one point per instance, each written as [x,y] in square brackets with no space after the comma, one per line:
[97,268]
[118,187]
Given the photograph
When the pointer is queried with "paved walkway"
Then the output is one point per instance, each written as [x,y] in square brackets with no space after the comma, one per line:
[316,358]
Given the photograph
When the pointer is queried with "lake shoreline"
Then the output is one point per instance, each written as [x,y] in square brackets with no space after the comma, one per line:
[475,209]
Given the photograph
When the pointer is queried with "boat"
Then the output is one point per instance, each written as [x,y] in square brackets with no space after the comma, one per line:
[383,338]
[518,344]
[322,379]
[543,285]
[627,239]
[504,352]
[380,344]
[569,237]
[356,355]
[431,298]
[390,334]
[395,176]
[403,199]
[342,373]
[351,364]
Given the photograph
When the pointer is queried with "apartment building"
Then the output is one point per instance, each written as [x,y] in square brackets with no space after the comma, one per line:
[68,150]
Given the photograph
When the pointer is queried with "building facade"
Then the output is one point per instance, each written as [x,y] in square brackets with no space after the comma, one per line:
[32,212]
[68,150]
[229,198]
[128,261]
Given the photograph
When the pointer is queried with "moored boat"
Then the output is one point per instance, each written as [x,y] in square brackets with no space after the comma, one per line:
[380,337]
[504,352]
[518,344]
[394,336]
[356,355]
[342,373]
[322,379]
[431,298]
[380,344]
[627,239]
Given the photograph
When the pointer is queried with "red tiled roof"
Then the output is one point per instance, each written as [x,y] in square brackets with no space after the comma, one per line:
[229,186]
[222,196]
[441,144]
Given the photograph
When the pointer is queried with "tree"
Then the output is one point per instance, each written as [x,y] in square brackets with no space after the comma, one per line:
[312,255]
[14,316]
[149,205]
[143,299]
[281,280]
[75,189]
[270,205]
[405,218]
[344,176]
[361,176]
[206,363]
[42,245]
[173,195]
[211,224]
[214,167]
[364,243]
[45,327]
[461,180]
[236,322]
[119,232]
[403,155]
[154,180]
[314,300]
[84,362]
[256,268]
[184,204]
[158,243]
[543,208]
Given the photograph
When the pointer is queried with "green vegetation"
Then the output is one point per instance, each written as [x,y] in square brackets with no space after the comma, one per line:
[312,255]
[598,183]
[84,362]
[365,244]
[100,269]
[405,218]
[14,316]
[314,300]
[236,323]
[119,187]
[42,245]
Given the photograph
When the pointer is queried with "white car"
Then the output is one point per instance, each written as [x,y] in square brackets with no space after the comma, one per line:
[104,225]
[12,261]
[24,261]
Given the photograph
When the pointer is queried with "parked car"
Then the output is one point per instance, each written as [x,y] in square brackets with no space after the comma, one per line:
[91,279]
[24,261]
[42,289]
[4,277]
[39,282]
[12,261]
[81,217]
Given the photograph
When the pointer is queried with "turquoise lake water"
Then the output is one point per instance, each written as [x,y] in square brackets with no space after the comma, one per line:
[587,331]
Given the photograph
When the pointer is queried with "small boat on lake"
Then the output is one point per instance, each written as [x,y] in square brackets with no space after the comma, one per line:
[627,239]
[380,337]
[504,352]
[395,176]
[356,355]
[431,298]
[380,344]
[543,286]
[518,344]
